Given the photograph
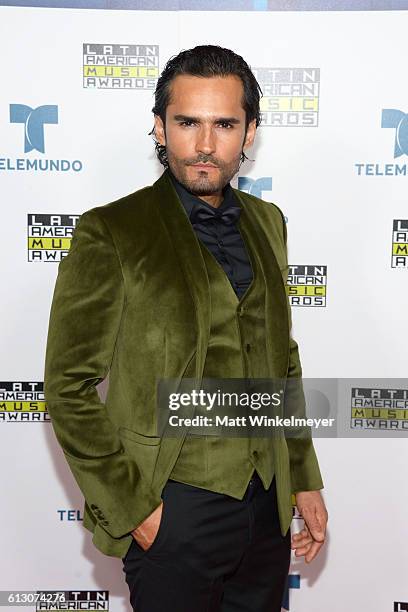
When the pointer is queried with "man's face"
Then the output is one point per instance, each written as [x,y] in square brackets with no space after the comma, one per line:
[205,131]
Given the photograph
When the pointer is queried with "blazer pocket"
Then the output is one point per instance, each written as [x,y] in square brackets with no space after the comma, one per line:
[124,432]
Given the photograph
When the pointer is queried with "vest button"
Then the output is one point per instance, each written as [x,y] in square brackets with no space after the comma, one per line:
[247,347]
[241,310]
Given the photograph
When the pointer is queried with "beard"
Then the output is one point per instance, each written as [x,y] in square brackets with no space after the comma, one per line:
[204,183]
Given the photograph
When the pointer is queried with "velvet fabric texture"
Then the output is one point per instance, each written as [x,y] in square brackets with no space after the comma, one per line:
[132,299]
[222,461]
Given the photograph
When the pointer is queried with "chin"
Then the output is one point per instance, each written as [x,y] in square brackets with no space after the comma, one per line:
[198,188]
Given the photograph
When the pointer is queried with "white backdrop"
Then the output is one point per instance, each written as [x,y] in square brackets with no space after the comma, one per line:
[340,215]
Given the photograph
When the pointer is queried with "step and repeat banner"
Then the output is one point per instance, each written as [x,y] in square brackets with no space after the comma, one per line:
[331,152]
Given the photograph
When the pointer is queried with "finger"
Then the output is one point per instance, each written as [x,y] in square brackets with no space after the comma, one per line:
[310,550]
[303,550]
[316,529]
[304,534]
[313,551]
[300,534]
[302,543]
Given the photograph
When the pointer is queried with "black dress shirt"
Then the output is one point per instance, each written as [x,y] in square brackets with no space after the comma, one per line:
[223,240]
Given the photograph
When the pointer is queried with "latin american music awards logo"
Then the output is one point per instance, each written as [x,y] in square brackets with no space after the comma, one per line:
[49,236]
[306,285]
[22,402]
[290,96]
[396,121]
[399,257]
[110,66]
[379,408]
[33,123]
[72,600]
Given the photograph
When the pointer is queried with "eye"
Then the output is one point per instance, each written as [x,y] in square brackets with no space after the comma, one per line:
[226,124]
[186,123]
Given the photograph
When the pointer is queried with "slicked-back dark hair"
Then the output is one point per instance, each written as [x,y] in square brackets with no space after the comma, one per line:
[206,61]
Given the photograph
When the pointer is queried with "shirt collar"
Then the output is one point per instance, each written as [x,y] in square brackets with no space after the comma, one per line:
[189,200]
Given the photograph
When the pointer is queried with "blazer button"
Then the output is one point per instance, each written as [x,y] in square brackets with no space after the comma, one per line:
[94,507]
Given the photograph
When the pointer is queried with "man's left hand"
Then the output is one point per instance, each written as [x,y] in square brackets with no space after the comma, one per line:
[309,541]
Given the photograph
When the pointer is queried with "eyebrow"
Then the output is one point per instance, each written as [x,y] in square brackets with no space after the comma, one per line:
[233,120]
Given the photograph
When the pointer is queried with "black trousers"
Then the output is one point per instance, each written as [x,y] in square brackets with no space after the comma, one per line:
[212,553]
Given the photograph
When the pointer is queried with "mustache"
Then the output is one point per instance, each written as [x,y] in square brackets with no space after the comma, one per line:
[203,159]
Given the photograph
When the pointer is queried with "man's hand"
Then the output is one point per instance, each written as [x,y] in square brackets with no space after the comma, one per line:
[146,532]
[309,541]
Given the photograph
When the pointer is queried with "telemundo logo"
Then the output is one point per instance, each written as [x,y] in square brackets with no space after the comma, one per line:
[292,582]
[33,121]
[391,118]
[255,186]
[396,119]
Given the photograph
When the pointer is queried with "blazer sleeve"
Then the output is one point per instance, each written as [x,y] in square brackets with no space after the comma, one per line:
[87,305]
[304,468]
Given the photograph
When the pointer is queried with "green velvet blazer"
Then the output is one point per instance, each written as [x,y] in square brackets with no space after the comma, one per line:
[132,299]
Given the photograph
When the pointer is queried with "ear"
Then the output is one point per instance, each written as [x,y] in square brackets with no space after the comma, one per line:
[250,134]
[159,130]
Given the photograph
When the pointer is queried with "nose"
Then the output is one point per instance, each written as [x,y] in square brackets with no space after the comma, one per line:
[205,140]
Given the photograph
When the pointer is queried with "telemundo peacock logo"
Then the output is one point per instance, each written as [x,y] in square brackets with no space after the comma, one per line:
[33,123]
[398,121]
[394,120]
[255,187]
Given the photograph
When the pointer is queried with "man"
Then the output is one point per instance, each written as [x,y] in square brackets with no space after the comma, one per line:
[184,278]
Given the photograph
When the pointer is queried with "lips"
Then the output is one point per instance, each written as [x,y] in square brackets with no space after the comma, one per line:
[204,166]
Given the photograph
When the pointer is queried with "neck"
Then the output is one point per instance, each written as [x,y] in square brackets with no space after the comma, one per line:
[214,199]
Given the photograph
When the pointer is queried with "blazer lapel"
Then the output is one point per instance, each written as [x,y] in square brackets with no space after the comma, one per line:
[192,264]
[191,261]
[276,310]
